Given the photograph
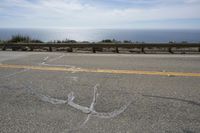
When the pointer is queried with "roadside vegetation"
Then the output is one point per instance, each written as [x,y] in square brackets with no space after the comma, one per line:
[2,41]
[26,43]
[20,39]
[23,39]
[63,41]
[110,41]
[116,41]
[27,39]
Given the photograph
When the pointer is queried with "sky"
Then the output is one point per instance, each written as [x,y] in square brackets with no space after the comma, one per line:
[130,14]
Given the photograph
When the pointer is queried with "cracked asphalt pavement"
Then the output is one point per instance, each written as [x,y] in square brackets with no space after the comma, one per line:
[159,102]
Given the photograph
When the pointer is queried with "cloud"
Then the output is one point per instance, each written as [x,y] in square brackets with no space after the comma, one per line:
[82,13]
[192,1]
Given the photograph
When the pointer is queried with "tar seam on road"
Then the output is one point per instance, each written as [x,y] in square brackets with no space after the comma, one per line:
[111,71]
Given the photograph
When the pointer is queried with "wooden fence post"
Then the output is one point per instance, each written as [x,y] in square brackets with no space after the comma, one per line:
[117,50]
[50,49]
[69,49]
[170,50]
[31,48]
[142,50]
[4,48]
[93,50]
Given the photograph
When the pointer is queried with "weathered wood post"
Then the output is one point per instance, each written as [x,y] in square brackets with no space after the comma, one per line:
[69,49]
[142,50]
[31,48]
[14,49]
[4,47]
[93,50]
[170,50]
[117,50]
[50,49]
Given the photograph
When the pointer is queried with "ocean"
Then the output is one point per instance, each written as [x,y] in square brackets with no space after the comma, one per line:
[95,35]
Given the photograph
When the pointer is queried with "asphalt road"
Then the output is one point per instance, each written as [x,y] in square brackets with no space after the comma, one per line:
[136,93]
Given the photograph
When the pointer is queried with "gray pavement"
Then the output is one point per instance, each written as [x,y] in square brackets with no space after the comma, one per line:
[158,104]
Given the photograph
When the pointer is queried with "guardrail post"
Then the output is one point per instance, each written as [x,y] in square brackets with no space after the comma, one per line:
[50,49]
[31,48]
[142,50]
[4,48]
[70,49]
[14,49]
[117,50]
[93,50]
[170,50]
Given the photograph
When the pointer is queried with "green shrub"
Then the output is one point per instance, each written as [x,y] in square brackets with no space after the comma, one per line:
[23,39]
[58,41]
[19,38]
[126,41]
[36,41]
[69,41]
[110,41]
[107,41]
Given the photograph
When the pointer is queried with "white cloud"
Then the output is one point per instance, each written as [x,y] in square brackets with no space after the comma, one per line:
[76,13]
[192,1]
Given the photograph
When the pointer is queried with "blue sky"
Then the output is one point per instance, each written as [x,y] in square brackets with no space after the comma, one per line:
[133,14]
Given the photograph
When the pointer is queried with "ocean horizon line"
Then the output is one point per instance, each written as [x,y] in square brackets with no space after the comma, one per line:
[95,35]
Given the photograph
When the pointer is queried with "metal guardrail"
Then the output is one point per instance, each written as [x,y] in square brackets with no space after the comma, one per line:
[95,46]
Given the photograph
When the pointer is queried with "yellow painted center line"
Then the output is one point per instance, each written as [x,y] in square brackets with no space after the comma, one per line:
[49,68]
